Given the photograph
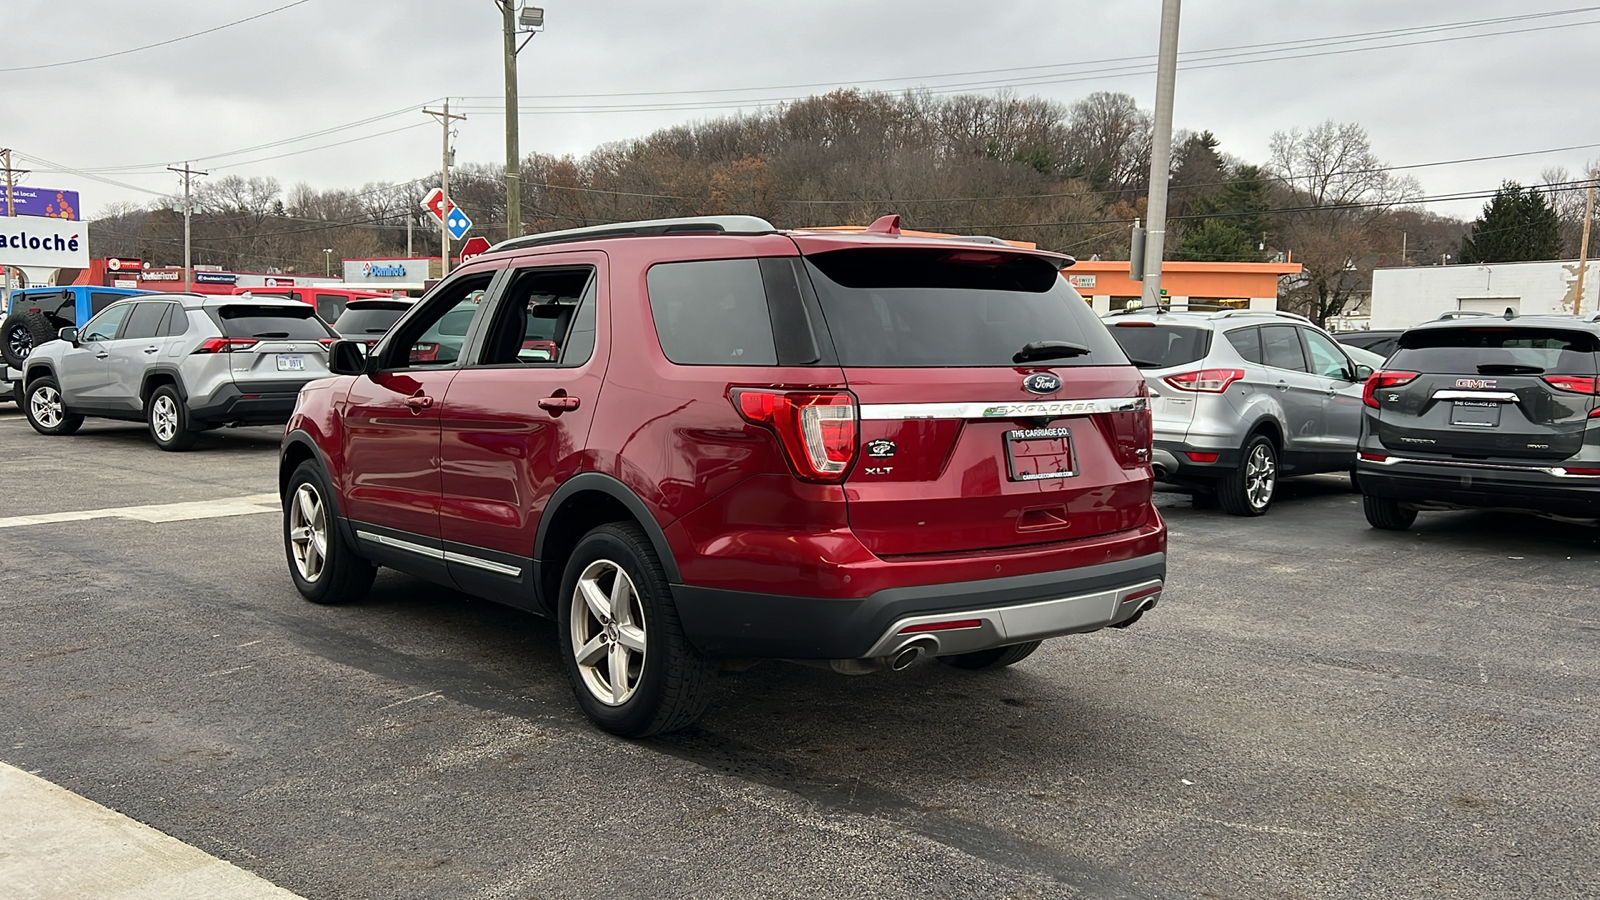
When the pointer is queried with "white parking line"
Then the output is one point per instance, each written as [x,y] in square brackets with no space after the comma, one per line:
[161,512]
[59,845]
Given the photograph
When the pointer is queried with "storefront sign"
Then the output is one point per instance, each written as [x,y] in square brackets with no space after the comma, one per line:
[381,271]
[368,270]
[161,275]
[216,278]
[123,265]
[38,201]
[43,241]
[1081,281]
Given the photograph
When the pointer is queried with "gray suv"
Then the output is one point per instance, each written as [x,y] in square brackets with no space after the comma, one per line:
[182,363]
[1242,397]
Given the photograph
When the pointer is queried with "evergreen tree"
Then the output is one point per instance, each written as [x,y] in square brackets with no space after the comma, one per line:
[1234,222]
[1518,224]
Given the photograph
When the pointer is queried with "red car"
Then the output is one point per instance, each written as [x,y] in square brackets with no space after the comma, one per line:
[693,441]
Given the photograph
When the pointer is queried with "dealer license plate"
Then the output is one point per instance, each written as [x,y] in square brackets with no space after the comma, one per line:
[288,362]
[1475,414]
[1037,453]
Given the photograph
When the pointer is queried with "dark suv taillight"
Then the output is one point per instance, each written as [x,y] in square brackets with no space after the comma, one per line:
[816,428]
[1381,380]
[1577,384]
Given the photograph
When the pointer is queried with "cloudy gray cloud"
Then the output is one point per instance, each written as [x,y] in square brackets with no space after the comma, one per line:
[326,63]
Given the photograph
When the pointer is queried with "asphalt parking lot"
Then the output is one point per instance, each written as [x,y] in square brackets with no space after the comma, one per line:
[1315,710]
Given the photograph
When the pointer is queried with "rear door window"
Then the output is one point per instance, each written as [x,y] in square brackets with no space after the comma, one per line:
[712,313]
[144,321]
[1507,350]
[959,307]
[1157,345]
[295,323]
[1280,347]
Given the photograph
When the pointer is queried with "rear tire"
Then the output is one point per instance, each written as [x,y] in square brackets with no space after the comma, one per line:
[46,411]
[325,569]
[168,419]
[632,669]
[993,658]
[21,333]
[1248,490]
[1387,513]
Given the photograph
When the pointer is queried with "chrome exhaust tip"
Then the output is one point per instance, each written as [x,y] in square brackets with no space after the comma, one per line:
[911,653]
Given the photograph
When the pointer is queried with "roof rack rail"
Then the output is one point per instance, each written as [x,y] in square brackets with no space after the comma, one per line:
[1230,313]
[1460,314]
[643,228]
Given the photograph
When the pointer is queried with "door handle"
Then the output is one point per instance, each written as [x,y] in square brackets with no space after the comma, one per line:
[152,349]
[101,355]
[1283,385]
[419,403]
[559,404]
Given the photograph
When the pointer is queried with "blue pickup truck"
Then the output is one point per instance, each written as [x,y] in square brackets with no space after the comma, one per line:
[35,315]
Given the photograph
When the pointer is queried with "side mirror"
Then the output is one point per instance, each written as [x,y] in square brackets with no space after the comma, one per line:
[1363,372]
[70,335]
[347,358]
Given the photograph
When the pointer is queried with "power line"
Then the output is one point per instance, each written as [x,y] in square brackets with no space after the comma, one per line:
[73,62]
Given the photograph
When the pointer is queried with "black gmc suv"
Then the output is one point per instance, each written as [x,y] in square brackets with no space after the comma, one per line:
[1485,413]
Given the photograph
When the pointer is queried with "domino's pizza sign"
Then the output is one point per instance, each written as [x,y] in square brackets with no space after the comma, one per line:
[44,241]
[368,270]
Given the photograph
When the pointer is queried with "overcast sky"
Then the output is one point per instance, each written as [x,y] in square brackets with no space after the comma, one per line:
[326,64]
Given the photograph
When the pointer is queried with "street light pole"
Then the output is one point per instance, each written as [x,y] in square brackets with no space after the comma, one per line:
[327,262]
[1160,155]
[528,22]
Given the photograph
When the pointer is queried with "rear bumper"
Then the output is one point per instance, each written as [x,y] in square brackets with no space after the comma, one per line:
[1006,610]
[264,405]
[1481,486]
[1174,463]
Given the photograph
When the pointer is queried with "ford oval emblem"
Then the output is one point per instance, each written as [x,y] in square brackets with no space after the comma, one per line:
[1042,383]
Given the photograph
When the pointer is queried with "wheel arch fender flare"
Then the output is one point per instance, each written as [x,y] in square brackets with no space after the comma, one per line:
[296,445]
[162,371]
[617,490]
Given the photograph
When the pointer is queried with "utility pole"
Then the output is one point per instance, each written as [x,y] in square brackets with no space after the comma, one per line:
[1583,243]
[1160,154]
[188,267]
[11,174]
[444,118]
[529,22]
[409,216]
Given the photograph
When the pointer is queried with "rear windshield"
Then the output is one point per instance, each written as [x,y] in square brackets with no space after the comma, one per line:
[297,323]
[362,320]
[959,307]
[1158,346]
[1500,350]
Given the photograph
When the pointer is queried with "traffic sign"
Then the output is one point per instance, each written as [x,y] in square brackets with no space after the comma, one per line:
[474,247]
[458,223]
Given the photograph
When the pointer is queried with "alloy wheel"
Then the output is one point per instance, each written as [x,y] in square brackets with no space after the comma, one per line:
[1260,476]
[164,418]
[45,406]
[21,342]
[608,632]
[308,533]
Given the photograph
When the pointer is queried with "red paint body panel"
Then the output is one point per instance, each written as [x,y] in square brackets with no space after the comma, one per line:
[391,452]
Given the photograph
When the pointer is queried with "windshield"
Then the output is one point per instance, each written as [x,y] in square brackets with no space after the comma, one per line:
[1152,345]
[960,307]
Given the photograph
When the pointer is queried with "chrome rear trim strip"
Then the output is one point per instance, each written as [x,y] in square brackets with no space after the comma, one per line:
[1496,396]
[1555,471]
[484,564]
[1002,410]
[487,565]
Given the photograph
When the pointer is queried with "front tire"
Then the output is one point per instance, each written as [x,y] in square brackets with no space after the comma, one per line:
[1387,513]
[1248,490]
[168,419]
[632,669]
[993,658]
[324,568]
[46,411]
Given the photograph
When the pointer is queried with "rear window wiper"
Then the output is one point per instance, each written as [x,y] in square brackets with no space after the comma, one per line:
[271,334]
[1144,363]
[1508,369]
[1049,350]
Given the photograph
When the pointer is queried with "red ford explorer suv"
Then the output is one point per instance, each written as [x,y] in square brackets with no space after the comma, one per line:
[731,442]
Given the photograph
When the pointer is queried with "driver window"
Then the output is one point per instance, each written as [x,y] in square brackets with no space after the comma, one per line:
[434,336]
[104,326]
[1327,359]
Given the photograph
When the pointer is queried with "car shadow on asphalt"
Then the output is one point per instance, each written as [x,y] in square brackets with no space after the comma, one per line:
[224,440]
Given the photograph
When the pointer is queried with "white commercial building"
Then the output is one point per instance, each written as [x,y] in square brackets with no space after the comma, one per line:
[1402,298]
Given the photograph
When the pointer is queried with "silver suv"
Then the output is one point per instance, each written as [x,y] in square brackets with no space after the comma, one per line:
[182,363]
[1242,397]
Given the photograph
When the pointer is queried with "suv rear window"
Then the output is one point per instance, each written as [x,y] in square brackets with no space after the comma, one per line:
[1152,345]
[373,320]
[297,323]
[957,307]
[1497,350]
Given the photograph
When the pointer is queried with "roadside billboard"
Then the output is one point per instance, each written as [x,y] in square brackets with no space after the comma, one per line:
[40,201]
[45,242]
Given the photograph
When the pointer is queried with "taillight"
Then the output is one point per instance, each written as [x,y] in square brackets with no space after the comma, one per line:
[424,352]
[1577,384]
[1205,381]
[1381,380]
[225,345]
[816,428]
[327,342]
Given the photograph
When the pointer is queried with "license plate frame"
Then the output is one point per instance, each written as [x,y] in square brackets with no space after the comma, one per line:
[291,362]
[1038,454]
[1475,414]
